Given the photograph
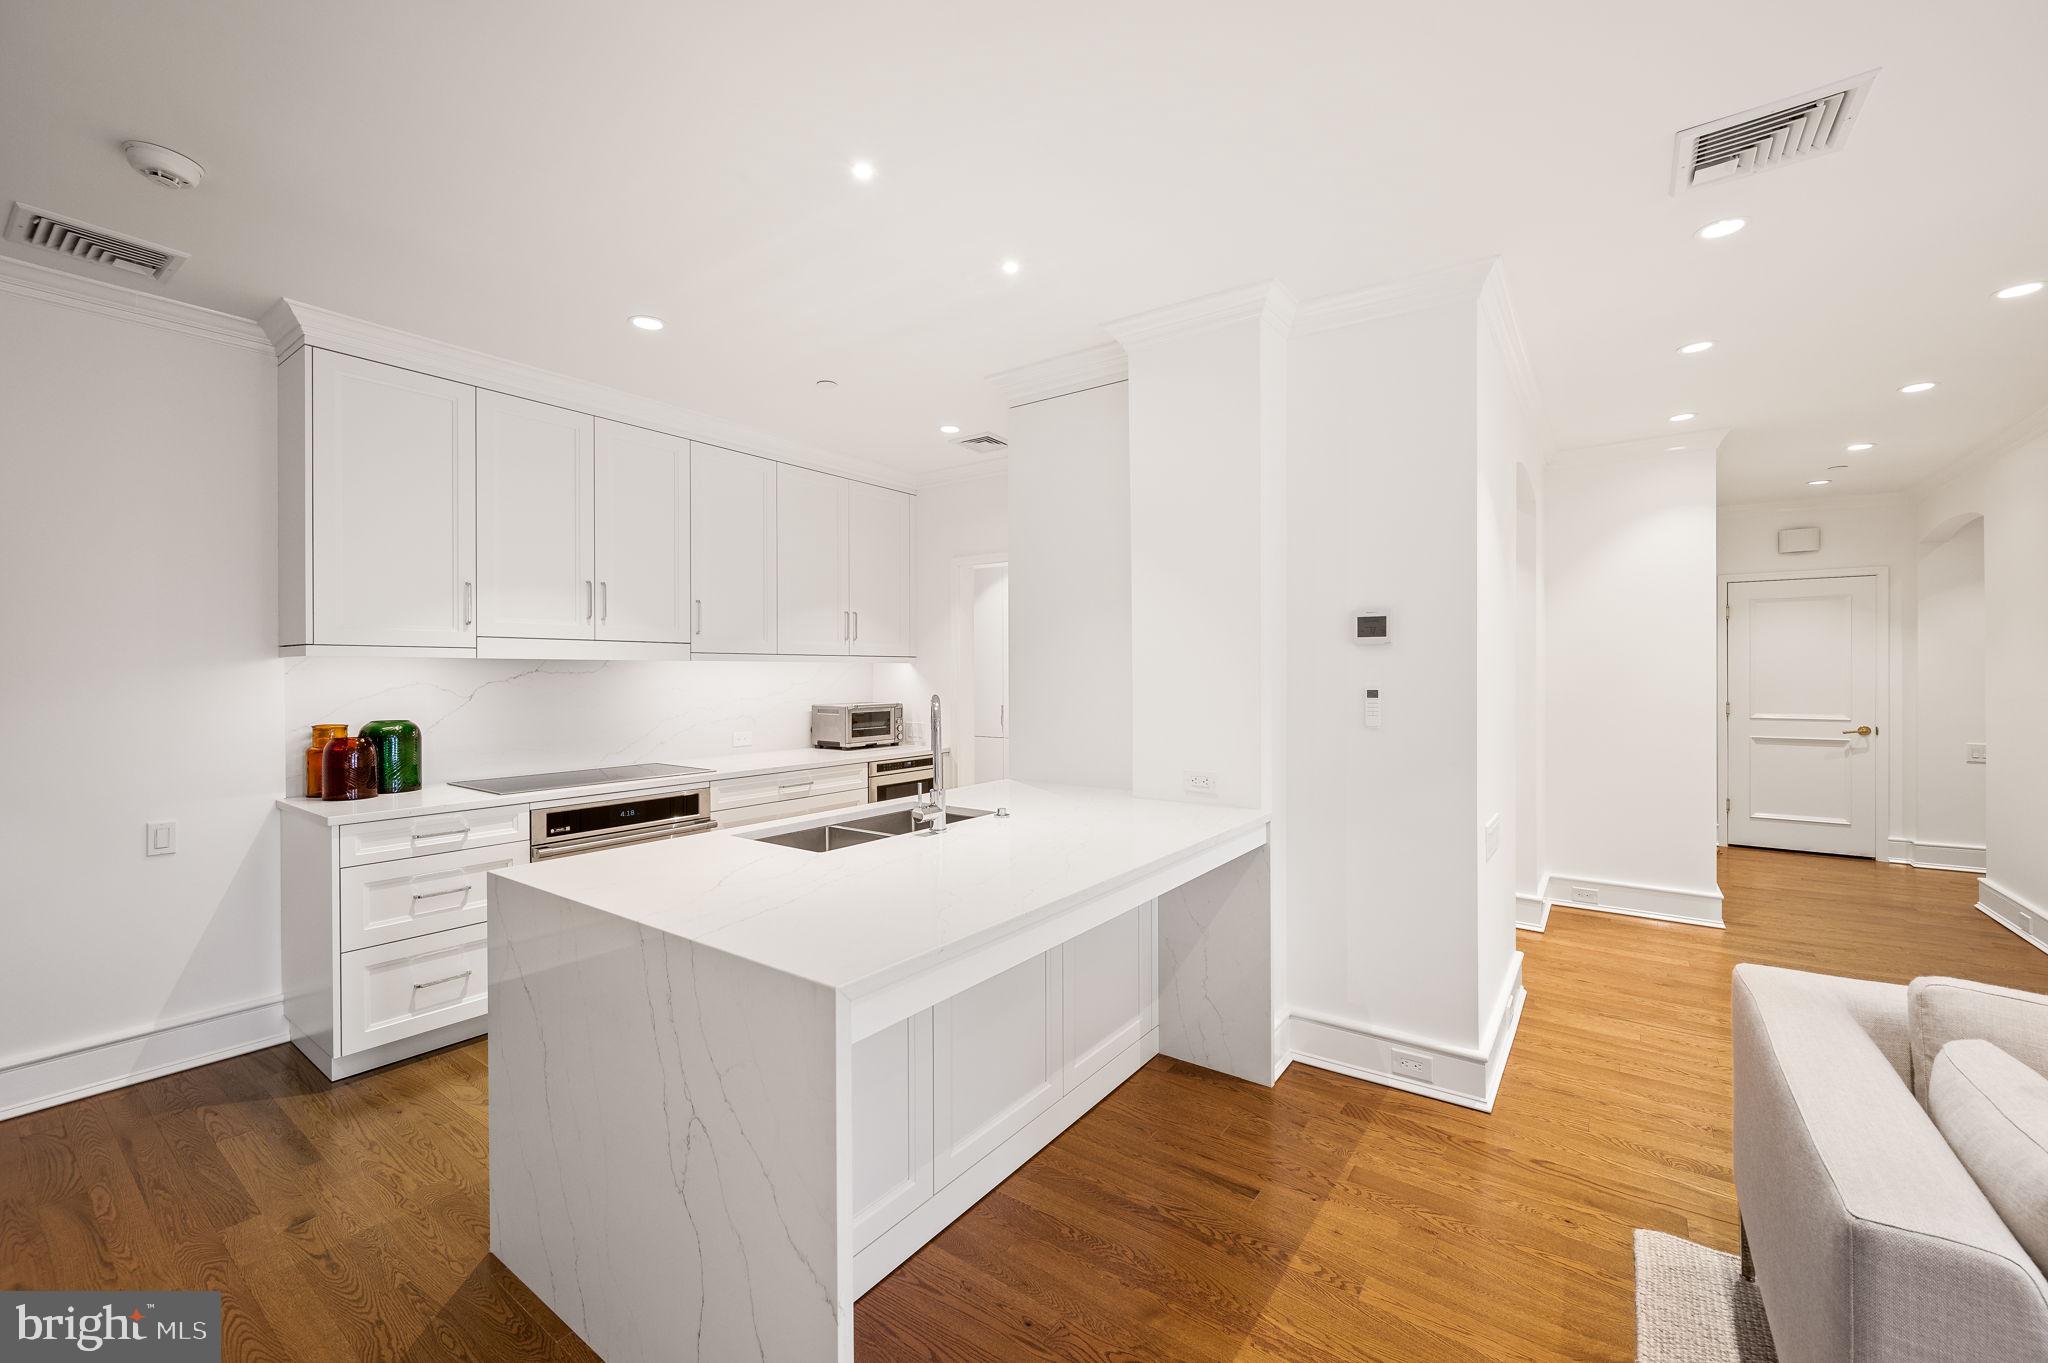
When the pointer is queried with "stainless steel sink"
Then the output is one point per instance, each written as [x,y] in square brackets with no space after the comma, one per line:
[833,837]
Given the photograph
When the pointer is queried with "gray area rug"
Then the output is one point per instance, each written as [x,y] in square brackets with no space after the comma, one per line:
[1692,1305]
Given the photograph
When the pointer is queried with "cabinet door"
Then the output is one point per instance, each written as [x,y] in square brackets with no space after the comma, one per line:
[892,1126]
[643,535]
[878,570]
[810,578]
[732,551]
[996,1053]
[535,483]
[394,506]
[1107,975]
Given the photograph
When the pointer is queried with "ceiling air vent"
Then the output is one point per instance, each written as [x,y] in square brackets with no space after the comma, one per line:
[1796,129]
[92,245]
[986,443]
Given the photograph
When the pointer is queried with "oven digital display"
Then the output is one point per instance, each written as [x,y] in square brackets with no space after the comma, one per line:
[624,814]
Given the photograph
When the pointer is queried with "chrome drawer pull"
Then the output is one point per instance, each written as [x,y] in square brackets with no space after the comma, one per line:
[445,979]
[457,834]
[436,894]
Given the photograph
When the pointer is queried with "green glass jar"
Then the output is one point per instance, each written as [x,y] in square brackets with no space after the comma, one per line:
[397,742]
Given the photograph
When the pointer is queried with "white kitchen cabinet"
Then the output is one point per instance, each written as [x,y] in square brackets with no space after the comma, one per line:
[377,505]
[892,1125]
[878,570]
[997,1062]
[643,535]
[738,801]
[812,614]
[535,488]
[1110,999]
[732,551]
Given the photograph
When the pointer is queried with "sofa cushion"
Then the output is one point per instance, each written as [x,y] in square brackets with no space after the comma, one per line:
[1940,1010]
[1993,1112]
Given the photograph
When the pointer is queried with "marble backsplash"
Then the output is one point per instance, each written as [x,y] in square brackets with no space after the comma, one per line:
[491,718]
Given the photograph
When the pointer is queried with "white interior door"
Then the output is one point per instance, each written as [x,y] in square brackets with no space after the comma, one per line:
[1805,746]
[732,551]
[812,614]
[536,573]
[643,535]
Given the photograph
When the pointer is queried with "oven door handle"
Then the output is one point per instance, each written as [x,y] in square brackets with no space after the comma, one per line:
[651,832]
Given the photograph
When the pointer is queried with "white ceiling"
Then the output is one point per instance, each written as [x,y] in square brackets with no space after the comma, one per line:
[521,177]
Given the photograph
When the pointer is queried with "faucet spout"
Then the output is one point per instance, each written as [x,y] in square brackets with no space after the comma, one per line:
[931,810]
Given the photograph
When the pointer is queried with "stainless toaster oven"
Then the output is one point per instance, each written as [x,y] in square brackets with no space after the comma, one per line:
[856,726]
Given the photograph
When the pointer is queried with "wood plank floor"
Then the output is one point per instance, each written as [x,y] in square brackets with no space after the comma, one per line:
[1188,1217]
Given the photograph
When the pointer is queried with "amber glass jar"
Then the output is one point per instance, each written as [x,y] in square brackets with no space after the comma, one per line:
[321,733]
[348,769]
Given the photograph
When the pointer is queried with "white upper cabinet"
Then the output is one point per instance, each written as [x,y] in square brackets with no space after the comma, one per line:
[732,551]
[813,614]
[878,570]
[388,487]
[643,535]
[535,489]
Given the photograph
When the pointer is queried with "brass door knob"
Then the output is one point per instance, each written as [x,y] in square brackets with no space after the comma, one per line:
[1861,731]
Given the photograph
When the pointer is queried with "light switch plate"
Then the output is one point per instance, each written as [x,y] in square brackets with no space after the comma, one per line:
[161,839]
[1973,752]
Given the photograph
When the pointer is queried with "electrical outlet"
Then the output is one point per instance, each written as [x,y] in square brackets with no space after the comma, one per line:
[743,738]
[1409,1065]
[1492,836]
[160,840]
[1585,894]
[1198,782]
[1973,752]
[2026,922]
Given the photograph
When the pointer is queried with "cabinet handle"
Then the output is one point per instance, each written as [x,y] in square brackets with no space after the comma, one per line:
[697,616]
[445,979]
[468,604]
[799,786]
[856,626]
[462,890]
[589,599]
[458,834]
[604,600]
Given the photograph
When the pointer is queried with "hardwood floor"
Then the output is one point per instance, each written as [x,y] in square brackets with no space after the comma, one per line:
[1188,1217]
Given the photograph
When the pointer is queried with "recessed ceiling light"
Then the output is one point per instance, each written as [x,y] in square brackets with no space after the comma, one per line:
[1695,347]
[1011,266]
[826,383]
[645,323]
[1818,482]
[1922,386]
[1859,447]
[862,171]
[2019,290]
[949,430]
[1685,416]
[1724,227]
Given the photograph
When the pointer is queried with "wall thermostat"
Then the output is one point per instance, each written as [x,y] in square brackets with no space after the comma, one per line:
[1372,627]
[1373,710]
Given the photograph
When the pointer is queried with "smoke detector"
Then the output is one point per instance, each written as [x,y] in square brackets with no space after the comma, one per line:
[161,165]
[1770,135]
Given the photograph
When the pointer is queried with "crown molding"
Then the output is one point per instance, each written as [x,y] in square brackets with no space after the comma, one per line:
[289,324]
[27,279]
[1062,374]
[2025,431]
[1497,313]
[998,467]
[1269,303]
[1455,284]
[1589,456]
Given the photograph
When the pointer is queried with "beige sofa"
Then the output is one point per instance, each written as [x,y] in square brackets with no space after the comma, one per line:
[1869,1241]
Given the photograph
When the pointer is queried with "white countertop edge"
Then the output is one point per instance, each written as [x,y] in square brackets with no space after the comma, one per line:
[447,799]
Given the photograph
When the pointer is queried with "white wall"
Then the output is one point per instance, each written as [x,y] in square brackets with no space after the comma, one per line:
[1530,866]
[1948,790]
[1070,589]
[1630,640]
[1860,533]
[139,552]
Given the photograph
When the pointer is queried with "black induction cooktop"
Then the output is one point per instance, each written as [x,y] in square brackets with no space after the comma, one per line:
[588,776]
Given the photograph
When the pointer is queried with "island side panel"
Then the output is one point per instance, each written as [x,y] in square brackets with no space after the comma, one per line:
[1216,969]
[669,1162]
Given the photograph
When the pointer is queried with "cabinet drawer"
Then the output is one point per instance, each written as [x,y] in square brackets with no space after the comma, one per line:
[742,792]
[389,839]
[393,900]
[790,809]
[404,988]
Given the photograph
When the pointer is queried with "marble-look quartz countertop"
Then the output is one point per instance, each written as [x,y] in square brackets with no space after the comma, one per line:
[446,799]
[896,905]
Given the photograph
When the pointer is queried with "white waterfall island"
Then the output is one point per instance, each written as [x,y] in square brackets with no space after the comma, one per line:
[734,1083]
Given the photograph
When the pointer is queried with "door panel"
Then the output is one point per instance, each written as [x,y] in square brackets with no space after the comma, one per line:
[810,578]
[394,506]
[643,535]
[535,486]
[732,551]
[878,570]
[892,1125]
[1805,660]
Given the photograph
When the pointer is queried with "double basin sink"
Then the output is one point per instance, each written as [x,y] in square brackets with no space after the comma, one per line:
[844,833]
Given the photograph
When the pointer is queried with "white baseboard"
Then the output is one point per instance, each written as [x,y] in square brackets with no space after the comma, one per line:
[1532,912]
[1465,1075]
[1661,902]
[1936,856]
[2028,922]
[81,1071]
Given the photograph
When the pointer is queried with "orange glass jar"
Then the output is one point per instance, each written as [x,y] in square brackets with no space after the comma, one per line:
[321,733]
